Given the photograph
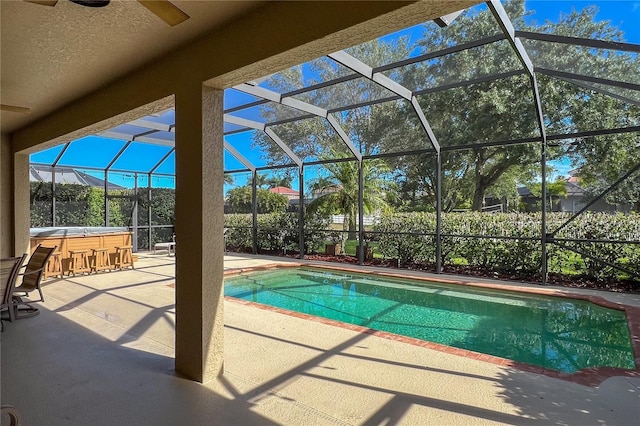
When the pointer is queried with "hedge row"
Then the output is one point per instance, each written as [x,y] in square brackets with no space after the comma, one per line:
[410,238]
[277,232]
[504,242]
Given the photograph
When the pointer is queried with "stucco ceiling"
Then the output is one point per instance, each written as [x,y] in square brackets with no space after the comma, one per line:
[53,55]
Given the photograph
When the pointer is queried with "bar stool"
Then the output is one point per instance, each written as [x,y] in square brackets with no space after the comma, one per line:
[101,259]
[124,257]
[54,267]
[79,262]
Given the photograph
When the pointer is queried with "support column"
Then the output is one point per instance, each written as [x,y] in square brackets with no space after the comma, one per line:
[199,233]
[53,196]
[360,213]
[107,213]
[6,195]
[544,270]
[254,212]
[439,213]
[301,211]
[149,218]
[22,208]
[134,214]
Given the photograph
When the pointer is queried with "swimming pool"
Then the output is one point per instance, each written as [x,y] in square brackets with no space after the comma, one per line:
[555,333]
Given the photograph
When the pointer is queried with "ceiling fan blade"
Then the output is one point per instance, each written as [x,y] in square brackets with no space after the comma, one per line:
[12,108]
[165,10]
[43,2]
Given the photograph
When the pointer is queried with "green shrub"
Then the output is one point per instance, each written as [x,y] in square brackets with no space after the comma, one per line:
[600,226]
[239,234]
[467,240]
[407,237]
[276,231]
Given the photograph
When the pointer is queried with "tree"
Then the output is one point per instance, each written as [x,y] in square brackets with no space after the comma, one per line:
[469,121]
[599,160]
[240,200]
[555,190]
[503,110]
[271,181]
[314,138]
[338,191]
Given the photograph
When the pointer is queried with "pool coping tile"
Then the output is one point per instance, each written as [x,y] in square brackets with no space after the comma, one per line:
[588,377]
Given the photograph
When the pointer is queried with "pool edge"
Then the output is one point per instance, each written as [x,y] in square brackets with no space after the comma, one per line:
[591,377]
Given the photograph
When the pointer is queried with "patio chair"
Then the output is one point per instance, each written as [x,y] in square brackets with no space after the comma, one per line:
[9,268]
[31,278]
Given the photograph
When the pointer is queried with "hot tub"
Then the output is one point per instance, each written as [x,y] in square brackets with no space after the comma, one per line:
[68,238]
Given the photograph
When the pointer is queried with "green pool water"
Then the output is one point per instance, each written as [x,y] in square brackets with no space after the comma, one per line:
[556,333]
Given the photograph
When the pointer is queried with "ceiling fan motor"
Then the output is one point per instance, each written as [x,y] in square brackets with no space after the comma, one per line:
[91,3]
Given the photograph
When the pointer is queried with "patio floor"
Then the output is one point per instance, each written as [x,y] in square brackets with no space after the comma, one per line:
[101,353]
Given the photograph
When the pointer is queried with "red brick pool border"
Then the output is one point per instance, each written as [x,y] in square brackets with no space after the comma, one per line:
[587,377]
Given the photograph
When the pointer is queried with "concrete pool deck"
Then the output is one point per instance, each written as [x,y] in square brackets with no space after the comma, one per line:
[101,352]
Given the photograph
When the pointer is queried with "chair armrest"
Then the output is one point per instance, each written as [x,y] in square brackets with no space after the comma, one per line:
[31,272]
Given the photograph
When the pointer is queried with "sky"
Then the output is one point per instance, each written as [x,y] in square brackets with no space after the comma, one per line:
[625,14]
[622,13]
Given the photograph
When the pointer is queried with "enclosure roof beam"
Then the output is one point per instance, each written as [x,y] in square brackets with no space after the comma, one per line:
[290,120]
[445,20]
[503,20]
[343,135]
[239,156]
[141,137]
[598,80]
[578,41]
[603,91]
[591,133]
[509,31]
[393,65]
[152,125]
[317,86]
[60,154]
[366,71]
[262,127]
[443,52]
[465,83]
[156,141]
[393,97]
[115,158]
[421,58]
[302,106]
[244,122]
[283,146]
[162,160]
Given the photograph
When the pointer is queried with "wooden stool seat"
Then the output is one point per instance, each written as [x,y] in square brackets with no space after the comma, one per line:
[101,260]
[79,262]
[124,257]
[54,266]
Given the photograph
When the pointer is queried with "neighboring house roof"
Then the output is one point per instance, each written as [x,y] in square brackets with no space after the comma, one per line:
[284,191]
[573,190]
[523,191]
[68,175]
